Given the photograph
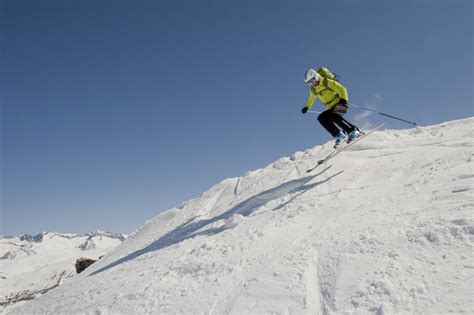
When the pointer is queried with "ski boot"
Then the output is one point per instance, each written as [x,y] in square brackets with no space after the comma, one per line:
[353,135]
[340,138]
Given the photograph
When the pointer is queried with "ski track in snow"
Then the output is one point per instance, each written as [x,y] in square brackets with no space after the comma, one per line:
[385,227]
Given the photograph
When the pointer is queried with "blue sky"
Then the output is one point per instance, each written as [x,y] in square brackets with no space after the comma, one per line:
[113,111]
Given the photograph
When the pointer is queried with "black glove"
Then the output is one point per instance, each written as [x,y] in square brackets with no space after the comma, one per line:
[304,110]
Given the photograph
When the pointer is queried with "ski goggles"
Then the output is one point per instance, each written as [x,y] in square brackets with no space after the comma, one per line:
[311,81]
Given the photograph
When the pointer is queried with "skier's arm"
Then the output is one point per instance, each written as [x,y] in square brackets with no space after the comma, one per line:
[338,88]
[311,99]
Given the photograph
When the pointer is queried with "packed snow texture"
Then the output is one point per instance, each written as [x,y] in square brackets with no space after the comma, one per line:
[31,265]
[385,227]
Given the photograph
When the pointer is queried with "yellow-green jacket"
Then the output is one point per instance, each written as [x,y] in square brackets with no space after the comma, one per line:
[329,92]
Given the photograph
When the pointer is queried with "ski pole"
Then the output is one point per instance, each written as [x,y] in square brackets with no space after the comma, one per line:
[390,116]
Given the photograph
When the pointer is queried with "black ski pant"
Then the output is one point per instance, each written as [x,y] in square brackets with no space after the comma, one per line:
[332,117]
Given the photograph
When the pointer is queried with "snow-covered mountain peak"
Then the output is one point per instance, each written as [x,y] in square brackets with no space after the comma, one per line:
[99,233]
[45,236]
[385,227]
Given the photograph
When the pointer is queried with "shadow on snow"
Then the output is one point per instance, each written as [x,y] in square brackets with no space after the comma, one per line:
[189,230]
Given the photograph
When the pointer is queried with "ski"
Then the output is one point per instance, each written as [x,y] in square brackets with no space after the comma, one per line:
[343,147]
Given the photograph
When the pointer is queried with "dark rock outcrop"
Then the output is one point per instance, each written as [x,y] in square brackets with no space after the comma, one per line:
[83,263]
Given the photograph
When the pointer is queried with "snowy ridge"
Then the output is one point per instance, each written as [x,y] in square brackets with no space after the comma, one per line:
[41,236]
[386,227]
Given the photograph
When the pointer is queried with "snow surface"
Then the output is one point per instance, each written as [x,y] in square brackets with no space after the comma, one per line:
[31,264]
[385,227]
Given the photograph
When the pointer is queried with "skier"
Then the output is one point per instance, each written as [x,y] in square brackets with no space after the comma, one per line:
[325,87]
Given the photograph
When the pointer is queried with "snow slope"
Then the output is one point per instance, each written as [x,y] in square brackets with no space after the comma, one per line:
[33,264]
[385,227]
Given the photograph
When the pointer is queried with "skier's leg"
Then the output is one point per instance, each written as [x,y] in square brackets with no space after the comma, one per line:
[326,120]
[344,124]
[339,110]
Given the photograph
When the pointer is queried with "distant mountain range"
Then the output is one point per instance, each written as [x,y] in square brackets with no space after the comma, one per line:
[39,237]
[32,265]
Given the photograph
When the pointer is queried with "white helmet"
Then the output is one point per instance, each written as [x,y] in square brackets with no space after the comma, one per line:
[311,75]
